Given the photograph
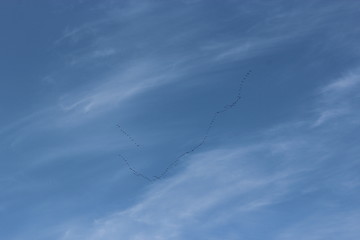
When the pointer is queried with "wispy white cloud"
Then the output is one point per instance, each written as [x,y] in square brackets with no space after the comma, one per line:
[208,183]
[95,55]
[230,182]
[333,226]
[127,83]
[235,183]
[339,98]
[280,25]
[346,82]
[97,98]
[74,35]
[217,190]
[326,114]
[242,49]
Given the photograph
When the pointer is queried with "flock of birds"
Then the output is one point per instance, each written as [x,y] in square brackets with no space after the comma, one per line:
[194,148]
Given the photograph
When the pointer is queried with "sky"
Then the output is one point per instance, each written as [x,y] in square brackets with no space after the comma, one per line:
[179,120]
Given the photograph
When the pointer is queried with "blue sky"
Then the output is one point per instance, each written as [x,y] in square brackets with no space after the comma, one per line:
[282,164]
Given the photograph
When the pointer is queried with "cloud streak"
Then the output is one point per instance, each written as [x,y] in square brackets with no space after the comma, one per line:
[224,187]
